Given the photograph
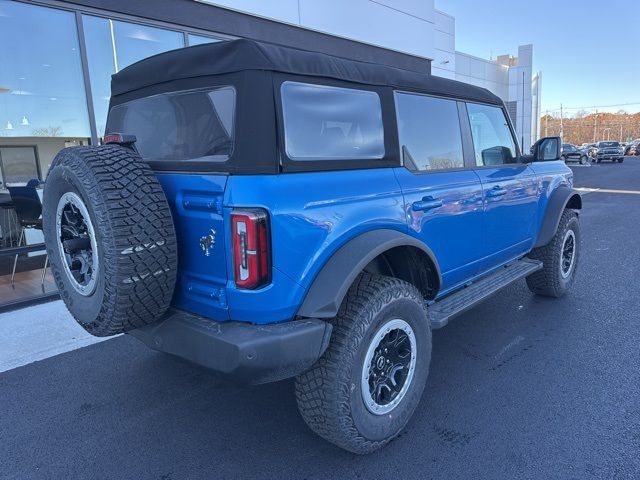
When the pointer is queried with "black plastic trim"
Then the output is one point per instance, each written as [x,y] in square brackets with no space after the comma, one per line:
[243,352]
[559,200]
[330,285]
[29,301]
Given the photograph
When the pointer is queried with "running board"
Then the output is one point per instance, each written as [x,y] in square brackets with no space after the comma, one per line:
[444,310]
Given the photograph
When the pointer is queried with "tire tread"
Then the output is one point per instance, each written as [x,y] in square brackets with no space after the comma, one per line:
[133,216]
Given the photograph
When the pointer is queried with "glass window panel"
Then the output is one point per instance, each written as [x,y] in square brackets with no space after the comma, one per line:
[97,35]
[192,125]
[41,83]
[199,40]
[429,131]
[18,164]
[135,42]
[331,123]
[42,96]
[113,45]
[43,109]
[492,138]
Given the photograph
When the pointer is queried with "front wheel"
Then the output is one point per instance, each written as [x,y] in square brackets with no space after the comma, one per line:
[366,386]
[620,160]
[559,257]
[583,160]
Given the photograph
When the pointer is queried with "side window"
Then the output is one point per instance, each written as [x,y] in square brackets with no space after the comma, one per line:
[429,132]
[492,137]
[331,123]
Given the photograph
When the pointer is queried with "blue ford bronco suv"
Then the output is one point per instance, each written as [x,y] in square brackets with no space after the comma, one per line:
[268,213]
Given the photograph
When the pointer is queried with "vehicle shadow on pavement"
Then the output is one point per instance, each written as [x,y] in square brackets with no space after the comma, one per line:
[124,410]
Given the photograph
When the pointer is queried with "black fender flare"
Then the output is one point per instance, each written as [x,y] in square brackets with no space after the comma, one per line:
[324,297]
[562,198]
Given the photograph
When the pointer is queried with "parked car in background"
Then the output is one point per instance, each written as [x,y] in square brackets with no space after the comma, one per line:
[632,148]
[610,151]
[575,154]
[591,149]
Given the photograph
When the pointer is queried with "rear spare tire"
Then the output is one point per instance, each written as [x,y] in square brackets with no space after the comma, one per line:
[110,238]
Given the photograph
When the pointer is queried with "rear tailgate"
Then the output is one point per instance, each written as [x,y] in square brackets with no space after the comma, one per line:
[196,204]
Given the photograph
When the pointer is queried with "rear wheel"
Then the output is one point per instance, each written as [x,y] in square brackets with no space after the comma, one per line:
[366,386]
[559,257]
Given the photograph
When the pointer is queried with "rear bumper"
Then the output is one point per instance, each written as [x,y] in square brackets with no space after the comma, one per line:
[245,353]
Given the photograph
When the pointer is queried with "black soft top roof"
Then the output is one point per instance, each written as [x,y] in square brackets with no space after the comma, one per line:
[240,55]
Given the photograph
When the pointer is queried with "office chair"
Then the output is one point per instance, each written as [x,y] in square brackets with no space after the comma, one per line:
[28,208]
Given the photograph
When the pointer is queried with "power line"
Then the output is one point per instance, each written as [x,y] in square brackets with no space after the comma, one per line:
[593,107]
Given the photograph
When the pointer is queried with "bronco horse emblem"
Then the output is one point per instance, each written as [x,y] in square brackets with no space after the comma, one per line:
[207,242]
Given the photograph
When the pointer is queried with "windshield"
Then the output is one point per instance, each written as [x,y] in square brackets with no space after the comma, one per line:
[608,144]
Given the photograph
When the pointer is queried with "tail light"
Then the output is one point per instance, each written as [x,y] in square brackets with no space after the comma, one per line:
[251,249]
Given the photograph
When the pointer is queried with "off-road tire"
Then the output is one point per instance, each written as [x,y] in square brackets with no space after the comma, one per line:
[134,232]
[549,280]
[329,395]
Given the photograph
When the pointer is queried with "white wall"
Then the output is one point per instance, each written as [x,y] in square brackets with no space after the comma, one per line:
[444,42]
[510,78]
[375,22]
[483,73]
[536,104]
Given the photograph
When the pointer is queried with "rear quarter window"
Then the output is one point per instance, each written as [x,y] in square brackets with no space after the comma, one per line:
[324,122]
[196,125]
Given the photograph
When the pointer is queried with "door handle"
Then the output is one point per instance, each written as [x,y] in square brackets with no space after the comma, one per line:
[427,203]
[497,191]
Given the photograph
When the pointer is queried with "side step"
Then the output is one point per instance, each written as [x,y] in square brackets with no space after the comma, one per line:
[444,310]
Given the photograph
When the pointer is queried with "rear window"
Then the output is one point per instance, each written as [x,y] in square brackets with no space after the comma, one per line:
[189,125]
[322,122]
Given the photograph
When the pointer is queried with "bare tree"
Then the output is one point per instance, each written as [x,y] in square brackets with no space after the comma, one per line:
[47,132]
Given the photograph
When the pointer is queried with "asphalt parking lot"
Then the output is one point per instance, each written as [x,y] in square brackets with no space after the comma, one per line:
[520,387]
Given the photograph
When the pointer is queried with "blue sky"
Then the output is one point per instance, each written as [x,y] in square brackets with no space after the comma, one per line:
[588,50]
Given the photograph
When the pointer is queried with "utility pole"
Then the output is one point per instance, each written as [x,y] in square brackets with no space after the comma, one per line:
[620,133]
[595,129]
[546,124]
[561,123]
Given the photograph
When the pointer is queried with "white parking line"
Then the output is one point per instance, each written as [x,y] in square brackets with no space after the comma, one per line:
[606,190]
[39,332]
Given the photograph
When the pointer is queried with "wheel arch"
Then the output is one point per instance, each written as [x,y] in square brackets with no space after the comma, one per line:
[383,251]
[561,199]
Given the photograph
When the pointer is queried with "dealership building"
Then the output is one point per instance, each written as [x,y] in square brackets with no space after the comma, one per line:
[57,58]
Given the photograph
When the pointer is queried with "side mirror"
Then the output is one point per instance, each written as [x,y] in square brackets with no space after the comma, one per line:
[496,156]
[547,149]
